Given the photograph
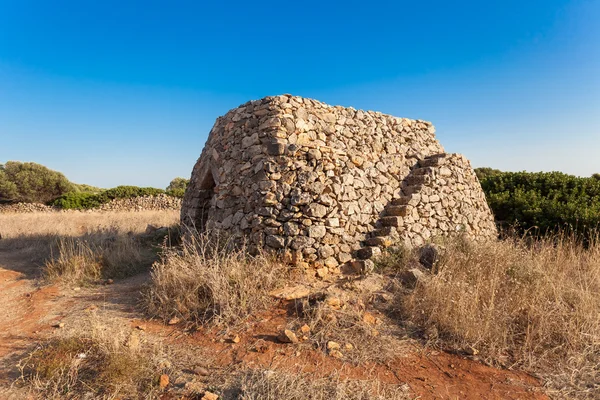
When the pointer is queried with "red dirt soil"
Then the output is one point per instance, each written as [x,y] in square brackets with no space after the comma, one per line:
[28,313]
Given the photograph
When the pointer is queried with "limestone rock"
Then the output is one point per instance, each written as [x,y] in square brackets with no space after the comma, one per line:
[291,173]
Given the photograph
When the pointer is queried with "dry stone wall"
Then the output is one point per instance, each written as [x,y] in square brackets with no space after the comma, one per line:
[313,181]
[161,202]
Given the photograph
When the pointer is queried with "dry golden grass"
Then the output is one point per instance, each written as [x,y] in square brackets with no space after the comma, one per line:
[535,305]
[97,256]
[208,280]
[360,339]
[78,223]
[277,385]
[100,359]
[81,247]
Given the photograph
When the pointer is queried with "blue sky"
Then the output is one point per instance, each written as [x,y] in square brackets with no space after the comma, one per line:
[125,92]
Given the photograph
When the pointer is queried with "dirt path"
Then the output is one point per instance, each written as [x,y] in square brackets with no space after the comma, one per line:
[29,311]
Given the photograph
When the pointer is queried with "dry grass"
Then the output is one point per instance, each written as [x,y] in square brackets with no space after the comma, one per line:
[78,223]
[362,336]
[98,360]
[97,256]
[81,247]
[535,305]
[208,280]
[277,385]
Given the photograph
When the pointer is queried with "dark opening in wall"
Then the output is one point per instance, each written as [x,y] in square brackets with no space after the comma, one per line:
[206,193]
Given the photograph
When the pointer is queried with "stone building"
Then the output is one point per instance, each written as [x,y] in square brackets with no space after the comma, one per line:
[327,185]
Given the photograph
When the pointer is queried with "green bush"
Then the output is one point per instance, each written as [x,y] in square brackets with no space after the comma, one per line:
[87,200]
[544,202]
[78,201]
[31,182]
[176,192]
[127,192]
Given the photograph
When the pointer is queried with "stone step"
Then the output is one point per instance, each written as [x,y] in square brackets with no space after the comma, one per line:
[409,190]
[401,201]
[385,231]
[396,211]
[422,171]
[433,161]
[379,241]
[368,252]
[392,221]
[417,179]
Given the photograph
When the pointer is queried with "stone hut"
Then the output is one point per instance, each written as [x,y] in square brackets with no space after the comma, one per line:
[329,185]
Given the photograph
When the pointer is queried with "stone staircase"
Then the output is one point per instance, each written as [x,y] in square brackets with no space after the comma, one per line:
[389,226]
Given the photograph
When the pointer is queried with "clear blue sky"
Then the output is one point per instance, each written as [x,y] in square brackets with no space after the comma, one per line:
[125,92]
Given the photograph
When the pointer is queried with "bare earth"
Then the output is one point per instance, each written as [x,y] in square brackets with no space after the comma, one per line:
[29,312]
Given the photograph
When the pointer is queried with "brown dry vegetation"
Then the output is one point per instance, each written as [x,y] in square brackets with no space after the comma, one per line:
[98,359]
[83,247]
[275,385]
[207,279]
[76,223]
[526,304]
[530,305]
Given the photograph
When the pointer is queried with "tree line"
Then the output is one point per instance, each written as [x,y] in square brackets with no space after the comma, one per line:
[34,183]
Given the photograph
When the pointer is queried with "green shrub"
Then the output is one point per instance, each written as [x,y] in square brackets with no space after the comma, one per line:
[78,201]
[544,202]
[176,192]
[127,192]
[31,182]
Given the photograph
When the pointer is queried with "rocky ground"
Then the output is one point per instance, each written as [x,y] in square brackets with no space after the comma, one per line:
[32,313]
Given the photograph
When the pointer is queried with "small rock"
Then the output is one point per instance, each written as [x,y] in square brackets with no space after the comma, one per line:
[60,325]
[411,277]
[472,351]
[429,255]
[235,339]
[291,293]
[333,345]
[198,370]
[305,329]
[210,396]
[322,272]
[287,336]
[109,282]
[174,321]
[348,346]
[369,318]
[163,381]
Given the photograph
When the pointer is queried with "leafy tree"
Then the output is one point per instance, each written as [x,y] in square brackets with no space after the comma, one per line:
[178,183]
[596,176]
[31,182]
[8,189]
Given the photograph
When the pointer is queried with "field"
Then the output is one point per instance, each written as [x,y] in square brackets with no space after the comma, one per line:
[96,305]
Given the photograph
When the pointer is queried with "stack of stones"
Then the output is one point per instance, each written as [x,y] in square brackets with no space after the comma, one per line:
[21,208]
[160,202]
[317,182]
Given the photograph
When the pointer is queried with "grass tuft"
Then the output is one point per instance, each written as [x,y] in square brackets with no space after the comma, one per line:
[207,280]
[99,360]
